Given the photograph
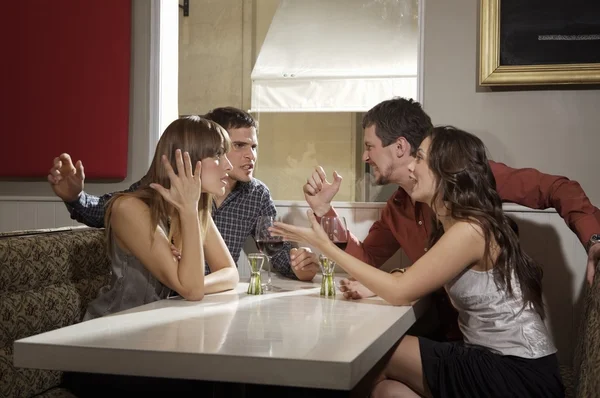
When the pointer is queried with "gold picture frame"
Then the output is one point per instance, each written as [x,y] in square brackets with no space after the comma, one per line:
[491,73]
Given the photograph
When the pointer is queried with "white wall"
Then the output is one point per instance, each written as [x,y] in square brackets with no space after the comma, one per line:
[555,130]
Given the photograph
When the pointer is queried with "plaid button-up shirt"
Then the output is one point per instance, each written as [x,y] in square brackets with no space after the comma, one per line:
[235,219]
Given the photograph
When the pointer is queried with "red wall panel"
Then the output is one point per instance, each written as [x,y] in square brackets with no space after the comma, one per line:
[65,85]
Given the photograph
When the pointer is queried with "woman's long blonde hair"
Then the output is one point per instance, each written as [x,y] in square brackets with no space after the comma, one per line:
[200,137]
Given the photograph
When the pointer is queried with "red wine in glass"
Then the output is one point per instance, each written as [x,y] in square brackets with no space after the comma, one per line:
[336,230]
[269,247]
[267,244]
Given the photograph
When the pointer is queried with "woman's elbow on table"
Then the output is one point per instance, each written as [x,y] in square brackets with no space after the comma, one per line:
[399,300]
[227,279]
[196,294]
[233,279]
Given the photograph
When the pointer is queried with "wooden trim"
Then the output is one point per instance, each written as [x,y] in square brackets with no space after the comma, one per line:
[491,73]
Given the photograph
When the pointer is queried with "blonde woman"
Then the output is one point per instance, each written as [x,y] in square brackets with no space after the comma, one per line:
[172,205]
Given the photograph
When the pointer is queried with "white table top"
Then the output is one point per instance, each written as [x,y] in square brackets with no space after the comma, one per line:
[293,338]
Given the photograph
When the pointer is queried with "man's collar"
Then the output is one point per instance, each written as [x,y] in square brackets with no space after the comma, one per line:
[243,186]
[401,195]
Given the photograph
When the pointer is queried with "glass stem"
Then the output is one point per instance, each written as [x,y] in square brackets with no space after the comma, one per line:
[269,272]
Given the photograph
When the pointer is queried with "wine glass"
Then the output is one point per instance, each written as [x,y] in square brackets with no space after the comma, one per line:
[336,230]
[267,244]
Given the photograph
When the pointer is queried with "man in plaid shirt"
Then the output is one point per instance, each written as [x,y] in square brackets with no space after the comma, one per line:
[235,213]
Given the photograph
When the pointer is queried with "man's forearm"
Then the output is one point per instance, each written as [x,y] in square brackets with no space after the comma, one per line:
[281,262]
[89,209]
[536,190]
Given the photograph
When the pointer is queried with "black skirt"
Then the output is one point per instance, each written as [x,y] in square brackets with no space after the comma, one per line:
[458,370]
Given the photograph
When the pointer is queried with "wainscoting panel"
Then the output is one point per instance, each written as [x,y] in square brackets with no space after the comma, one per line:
[22,213]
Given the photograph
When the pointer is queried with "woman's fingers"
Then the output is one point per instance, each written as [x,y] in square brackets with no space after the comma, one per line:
[179,163]
[278,227]
[351,295]
[187,162]
[346,286]
[286,235]
[198,170]
[286,230]
[176,253]
[162,191]
[168,168]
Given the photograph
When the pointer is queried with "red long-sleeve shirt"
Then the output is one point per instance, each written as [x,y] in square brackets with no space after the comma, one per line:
[406,225]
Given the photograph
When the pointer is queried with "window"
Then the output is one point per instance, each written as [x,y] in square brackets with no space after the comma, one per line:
[218,51]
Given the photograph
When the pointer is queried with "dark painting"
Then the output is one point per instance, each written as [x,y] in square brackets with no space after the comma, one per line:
[539,32]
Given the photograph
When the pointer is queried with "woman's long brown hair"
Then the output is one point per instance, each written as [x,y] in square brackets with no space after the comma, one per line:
[200,137]
[467,188]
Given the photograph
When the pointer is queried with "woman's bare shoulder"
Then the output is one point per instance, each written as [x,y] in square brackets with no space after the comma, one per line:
[128,206]
[467,228]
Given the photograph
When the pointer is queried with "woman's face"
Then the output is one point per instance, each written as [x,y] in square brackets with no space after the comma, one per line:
[421,175]
[215,174]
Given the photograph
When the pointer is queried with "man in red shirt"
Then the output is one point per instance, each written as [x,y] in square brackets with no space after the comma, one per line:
[393,131]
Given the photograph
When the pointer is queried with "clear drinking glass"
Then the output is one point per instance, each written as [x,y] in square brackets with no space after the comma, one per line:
[255,262]
[327,281]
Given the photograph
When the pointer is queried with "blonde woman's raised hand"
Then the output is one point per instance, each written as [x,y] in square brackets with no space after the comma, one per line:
[186,185]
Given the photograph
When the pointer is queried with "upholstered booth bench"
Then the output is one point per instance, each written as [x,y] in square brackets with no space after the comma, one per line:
[583,379]
[47,278]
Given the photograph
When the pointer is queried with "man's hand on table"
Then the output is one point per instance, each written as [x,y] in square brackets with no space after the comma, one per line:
[304,263]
